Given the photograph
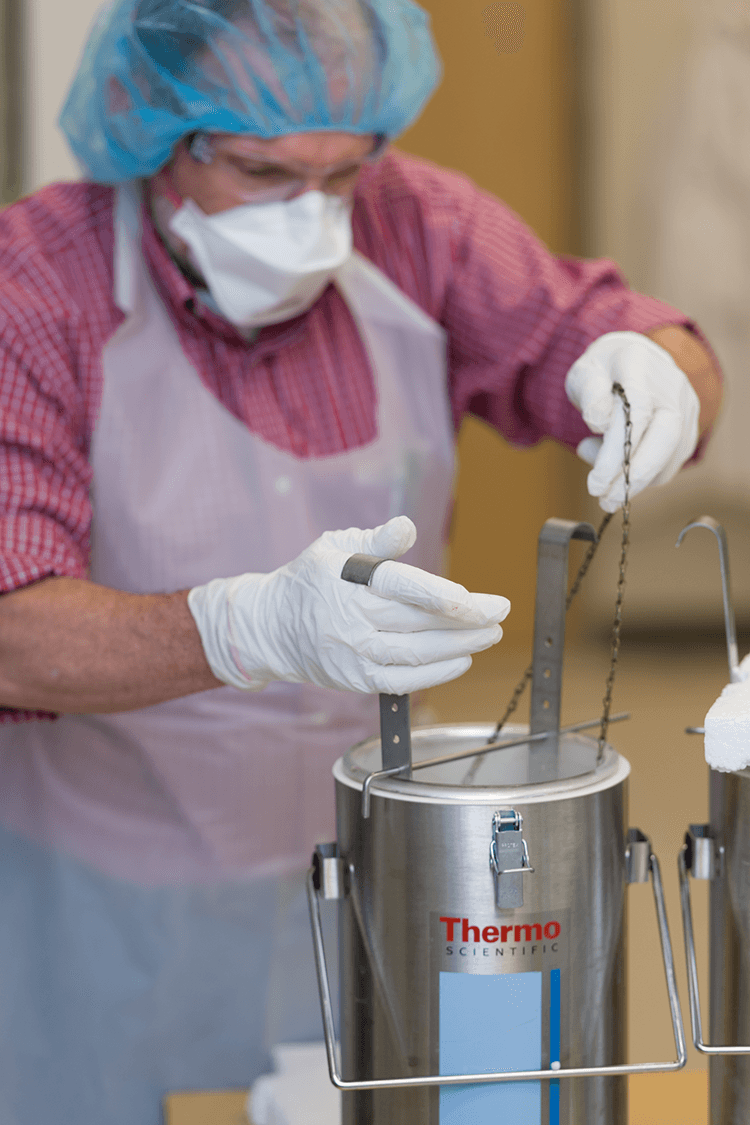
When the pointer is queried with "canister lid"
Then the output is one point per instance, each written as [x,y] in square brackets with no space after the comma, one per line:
[560,767]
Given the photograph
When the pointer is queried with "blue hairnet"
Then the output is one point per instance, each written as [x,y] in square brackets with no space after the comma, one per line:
[154,70]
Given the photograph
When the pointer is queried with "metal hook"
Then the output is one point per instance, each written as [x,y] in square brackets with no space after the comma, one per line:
[715,527]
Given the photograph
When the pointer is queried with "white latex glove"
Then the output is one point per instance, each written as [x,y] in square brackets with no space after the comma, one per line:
[664,413]
[304,624]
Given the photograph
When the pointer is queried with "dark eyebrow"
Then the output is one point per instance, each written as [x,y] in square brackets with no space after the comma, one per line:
[258,164]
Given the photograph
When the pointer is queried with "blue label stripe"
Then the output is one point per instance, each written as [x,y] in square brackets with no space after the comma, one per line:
[554,1044]
[554,1102]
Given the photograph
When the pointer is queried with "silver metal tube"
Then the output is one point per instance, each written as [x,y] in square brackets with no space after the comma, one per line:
[668,959]
[712,525]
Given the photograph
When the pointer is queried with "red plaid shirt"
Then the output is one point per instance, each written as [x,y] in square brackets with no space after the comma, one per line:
[516,318]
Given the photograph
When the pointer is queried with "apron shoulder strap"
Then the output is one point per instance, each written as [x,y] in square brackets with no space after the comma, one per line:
[375,296]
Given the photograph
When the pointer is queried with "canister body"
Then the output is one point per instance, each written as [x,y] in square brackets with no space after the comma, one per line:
[420,917]
[730,947]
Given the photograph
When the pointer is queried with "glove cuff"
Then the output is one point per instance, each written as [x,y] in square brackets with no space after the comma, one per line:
[212,610]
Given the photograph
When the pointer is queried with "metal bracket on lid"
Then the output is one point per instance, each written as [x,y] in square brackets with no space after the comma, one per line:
[395,732]
[509,858]
[703,858]
[637,856]
[328,872]
[549,622]
[395,718]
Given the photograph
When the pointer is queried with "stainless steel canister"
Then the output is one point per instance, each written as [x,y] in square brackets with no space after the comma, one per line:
[720,853]
[445,970]
[730,945]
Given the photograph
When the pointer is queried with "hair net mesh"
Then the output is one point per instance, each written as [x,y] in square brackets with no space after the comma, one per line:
[155,70]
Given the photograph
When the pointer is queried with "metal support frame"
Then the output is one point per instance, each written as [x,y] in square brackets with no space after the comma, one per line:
[702,859]
[502,1076]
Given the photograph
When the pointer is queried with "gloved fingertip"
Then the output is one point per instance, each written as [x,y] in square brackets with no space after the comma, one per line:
[393,539]
[491,637]
[397,680]
[490,608]
[638,485]
[595,485]
[448,670]
[588,449]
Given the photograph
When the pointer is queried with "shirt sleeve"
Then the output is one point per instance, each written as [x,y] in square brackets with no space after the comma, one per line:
[45,514]
[518,317]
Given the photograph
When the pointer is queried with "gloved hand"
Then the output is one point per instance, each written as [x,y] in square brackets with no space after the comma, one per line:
[664,413]
[304,624]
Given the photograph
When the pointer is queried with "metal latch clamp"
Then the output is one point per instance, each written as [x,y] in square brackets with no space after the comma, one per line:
[509,858]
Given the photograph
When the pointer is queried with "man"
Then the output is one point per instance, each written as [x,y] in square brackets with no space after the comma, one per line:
[201,379]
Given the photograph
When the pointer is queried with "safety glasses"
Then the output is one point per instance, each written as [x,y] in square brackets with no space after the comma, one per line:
[252,176]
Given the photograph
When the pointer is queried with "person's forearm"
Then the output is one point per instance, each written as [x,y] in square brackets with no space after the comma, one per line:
[696,361]
[68,645]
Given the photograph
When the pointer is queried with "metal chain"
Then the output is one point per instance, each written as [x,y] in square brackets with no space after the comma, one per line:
[588,559]
[624,544]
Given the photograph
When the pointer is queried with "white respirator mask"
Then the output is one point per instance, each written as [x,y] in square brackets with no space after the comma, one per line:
[267,262]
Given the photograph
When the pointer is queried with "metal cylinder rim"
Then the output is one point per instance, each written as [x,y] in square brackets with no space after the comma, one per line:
[612,770]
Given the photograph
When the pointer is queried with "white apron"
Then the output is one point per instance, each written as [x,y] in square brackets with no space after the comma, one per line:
[224,782]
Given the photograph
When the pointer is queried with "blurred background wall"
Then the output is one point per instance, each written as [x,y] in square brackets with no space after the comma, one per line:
[12,100]
[507,114]
[667,90]
[55,34]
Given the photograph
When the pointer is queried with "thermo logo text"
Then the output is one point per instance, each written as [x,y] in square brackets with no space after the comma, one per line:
[461,929]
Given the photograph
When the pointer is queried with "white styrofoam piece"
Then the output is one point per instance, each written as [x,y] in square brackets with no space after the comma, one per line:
[727,725]
[299,1092]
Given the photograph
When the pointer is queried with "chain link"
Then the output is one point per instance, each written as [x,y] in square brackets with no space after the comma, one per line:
[582,570]
[624,544]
